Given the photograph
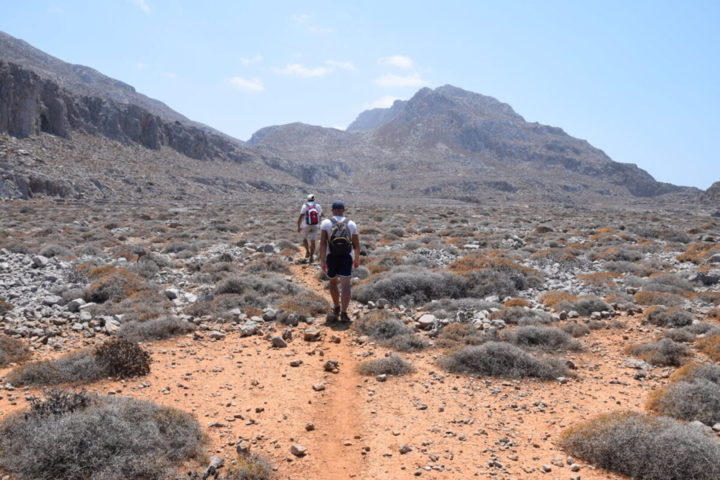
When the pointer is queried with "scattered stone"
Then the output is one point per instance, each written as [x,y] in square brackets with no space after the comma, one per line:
[216,335]
[332,366]
[278,342]
[427,321]
[40,261]
[405,448]
[311,334]
[298,450]
[319,387]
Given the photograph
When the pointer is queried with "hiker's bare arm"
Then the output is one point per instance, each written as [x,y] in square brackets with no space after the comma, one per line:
[300,219]
[356,248]
[323,250]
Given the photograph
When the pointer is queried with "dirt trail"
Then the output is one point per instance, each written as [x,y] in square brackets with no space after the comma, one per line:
[337,450]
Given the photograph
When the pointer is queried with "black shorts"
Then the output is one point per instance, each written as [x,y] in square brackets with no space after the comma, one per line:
[339,266]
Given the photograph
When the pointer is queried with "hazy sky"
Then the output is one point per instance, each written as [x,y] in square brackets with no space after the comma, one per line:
[638,79]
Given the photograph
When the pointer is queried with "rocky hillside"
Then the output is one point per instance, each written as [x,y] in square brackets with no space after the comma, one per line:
[82,128]
[711,195]
[449,142]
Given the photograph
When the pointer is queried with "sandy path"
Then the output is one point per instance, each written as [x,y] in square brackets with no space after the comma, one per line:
[337,449]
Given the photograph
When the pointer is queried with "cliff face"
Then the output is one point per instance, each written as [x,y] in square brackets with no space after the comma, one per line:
[30,105]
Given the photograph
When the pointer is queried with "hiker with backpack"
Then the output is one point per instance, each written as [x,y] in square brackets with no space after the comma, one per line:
[309,224]
[339,254]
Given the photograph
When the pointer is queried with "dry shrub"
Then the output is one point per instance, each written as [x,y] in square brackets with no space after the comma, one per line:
[516,302]
[710,346]
[543,338]
[617,254]
[552,297]
[658,298]
[714,314]
[138,307]
[600,279]
[708,297]
[112,284]
[644,447]
[663,352]
[522,316]
[390,332]
[393,364]
[308,304]
[500,359]
[584,305]
[5,307]
[698,252]
[455,334]
[12,350]
[576,329]
[115,358]
[249,467]
[692,395]
[155,329]
[493,261]
[99,437]
[411,285]
[668,317]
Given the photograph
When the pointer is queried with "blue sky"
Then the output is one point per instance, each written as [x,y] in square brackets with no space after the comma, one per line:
[638,79]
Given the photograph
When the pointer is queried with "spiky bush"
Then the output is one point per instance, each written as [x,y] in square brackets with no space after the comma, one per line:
[544,338]
[663,352]
[668,317]
[414,286]
[710,346]
[97,437]
[155,329]
[584,306]
[500,359]
[122,358]
[576,329]
[249,467]
[391,365]
[382,328]
[643,447]
[694,395]
[522,316]
[115,358]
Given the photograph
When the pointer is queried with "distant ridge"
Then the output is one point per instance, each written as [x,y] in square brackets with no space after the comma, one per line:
[443,143]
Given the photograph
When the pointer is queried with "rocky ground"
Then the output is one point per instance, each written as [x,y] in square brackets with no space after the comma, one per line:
[262,370]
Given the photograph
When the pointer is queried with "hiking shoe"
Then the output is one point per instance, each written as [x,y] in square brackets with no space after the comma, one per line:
[307,254]
[336,310]
[344,317]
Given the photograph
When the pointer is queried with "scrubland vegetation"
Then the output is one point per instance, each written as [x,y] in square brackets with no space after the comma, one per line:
[471,292]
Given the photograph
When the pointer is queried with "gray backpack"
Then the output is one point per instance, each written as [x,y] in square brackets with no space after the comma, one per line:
[339,240]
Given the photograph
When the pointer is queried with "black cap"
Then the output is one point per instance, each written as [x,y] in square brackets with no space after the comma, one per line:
[338,205]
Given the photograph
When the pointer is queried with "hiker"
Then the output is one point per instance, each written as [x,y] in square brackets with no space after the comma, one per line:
[339,254]
[309,224]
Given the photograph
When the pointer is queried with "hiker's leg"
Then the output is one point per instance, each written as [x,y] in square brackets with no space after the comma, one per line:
[307,249]
[334,291]
[312,249]
[345,294]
